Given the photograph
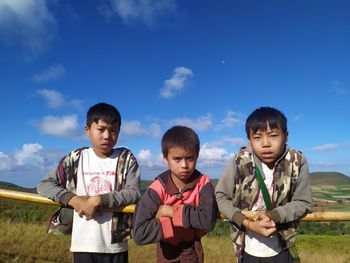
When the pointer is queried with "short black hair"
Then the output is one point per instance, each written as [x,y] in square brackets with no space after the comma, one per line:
[103,111]
[180,136]
[260,118]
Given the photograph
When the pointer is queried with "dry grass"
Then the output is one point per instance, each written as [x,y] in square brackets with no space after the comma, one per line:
[29,242]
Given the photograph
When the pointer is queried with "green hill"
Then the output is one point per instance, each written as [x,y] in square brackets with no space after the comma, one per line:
[331,178]
[11,186]
[317,178]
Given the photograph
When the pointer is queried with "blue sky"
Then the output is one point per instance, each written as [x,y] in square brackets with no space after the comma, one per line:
[205,64]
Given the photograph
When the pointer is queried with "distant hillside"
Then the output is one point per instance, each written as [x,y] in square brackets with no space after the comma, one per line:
[317,178]
[145,184]
[333,178]
[11,186]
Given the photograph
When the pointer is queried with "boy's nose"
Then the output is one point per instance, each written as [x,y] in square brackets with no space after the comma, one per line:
[106,134]
[266,142]
[184,164]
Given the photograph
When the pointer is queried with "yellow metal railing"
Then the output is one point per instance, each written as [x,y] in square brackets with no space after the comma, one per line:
[30,197]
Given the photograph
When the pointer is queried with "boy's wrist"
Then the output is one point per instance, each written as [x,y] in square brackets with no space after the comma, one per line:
[105,203]
[65,198]
[238,218]
[274,216]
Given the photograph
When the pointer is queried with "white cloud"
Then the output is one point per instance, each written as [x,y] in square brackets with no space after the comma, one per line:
[211,156]
[53,98]
[146,11]
[299,117]
[28,165]
[237,142]
[5,162]
[177,82]
[66,126]
[323,164]
[29,154]
[52,73]
[201,123]
[26,23]
[339,88]
[325,148]
[144,155]
[146,161]
[155,130]
[133,128]
[232,118]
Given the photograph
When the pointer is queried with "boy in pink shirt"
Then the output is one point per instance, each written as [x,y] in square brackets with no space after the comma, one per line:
[179,207]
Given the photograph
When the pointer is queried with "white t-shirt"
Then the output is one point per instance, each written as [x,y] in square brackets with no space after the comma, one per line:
[257,245]
[95,176]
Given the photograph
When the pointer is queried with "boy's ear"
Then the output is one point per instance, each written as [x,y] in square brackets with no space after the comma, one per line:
[165,160]
[87,130]
[286,135]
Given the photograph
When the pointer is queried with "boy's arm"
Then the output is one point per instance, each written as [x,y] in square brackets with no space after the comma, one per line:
[202,216]
[225,190]
[300,203]
[51,188]
[130,194]
[146,227]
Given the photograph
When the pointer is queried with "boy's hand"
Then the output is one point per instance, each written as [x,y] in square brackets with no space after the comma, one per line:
[77,202]
[85,205]
[92,205]
[261,224]
[165,210]
[262,216]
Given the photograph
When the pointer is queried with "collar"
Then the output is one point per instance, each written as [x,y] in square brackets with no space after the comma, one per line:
[171,188]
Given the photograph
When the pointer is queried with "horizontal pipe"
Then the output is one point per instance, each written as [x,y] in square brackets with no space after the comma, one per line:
[35,198]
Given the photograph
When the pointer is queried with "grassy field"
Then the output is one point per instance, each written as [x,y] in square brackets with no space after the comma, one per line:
[28,242]
[24,238]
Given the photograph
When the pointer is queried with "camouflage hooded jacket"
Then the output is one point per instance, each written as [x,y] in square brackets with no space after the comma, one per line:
[238,190]
[60,186]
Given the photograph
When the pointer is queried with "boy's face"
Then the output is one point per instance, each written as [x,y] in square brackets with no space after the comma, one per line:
[103,137]
[268,145]
[181,162]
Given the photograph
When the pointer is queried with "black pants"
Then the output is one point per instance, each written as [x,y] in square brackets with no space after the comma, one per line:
[283,257]
[82,257]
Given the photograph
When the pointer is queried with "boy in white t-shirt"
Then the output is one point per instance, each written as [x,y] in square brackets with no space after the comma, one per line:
[281,200]
[90,180]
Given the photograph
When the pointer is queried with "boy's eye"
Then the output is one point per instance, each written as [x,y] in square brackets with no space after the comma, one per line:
[256,137]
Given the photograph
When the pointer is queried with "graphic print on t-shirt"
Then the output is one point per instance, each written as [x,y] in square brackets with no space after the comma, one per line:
[98,186]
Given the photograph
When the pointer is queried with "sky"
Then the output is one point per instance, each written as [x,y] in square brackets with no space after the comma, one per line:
[204,64]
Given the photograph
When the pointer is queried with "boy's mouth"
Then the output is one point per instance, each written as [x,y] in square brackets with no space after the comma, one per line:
[185,174]
[267,154]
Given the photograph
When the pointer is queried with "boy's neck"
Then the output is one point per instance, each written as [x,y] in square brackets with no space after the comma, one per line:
[180,184]
[103,155]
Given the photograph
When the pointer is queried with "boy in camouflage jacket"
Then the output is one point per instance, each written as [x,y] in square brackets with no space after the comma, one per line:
[91,181]
[272,232]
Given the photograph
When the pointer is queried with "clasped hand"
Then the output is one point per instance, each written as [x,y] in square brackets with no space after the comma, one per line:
[86,205]
[261,224]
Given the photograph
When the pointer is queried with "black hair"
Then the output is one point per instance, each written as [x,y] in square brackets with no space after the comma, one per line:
[263,117]
[180,136]
[103,111]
